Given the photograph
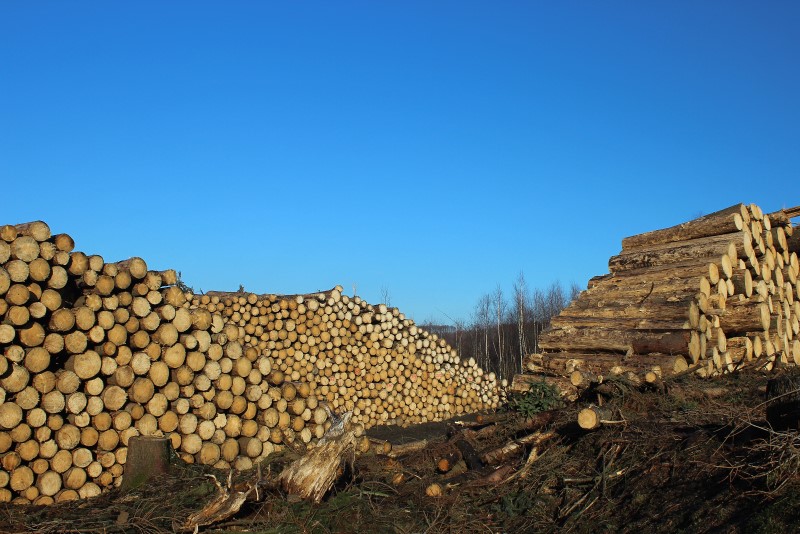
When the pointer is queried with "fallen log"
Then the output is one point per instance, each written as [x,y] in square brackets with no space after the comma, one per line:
[593,417]
[446,462]
[407,448]
[501,454]
[469,454]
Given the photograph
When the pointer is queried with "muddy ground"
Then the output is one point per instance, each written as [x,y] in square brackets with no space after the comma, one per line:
[689,456]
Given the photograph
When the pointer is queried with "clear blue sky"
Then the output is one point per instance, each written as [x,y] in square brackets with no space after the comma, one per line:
[435,149]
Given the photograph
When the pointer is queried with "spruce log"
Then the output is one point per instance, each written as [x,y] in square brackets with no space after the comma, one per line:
[741,316]
[25,248]
[136,266]
[620,340]
[693,269]
[701,250]
[606,318]
[681,308]
[728,220]
[634,290]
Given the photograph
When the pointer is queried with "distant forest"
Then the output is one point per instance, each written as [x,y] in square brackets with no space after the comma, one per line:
[505,328]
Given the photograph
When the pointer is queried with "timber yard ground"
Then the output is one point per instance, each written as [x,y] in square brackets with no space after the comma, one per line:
[691,456]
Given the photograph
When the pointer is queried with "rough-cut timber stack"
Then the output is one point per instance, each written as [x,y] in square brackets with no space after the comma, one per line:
[370,360]
[94,353]
[714,294]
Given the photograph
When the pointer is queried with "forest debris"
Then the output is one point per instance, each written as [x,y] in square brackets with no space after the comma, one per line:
[500,454]
[521,383]
[380,446]
[485,419]
[433,490]
[447,461]
[311,476]
[496,476]
[469,454]
[407,448]
[227,503]
[593,417]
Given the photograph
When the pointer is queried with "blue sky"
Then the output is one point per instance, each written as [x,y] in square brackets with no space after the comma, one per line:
[435,149]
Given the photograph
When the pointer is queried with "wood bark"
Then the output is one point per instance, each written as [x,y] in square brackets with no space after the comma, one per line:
[678,309]
[725,221]
[635,290]
[741,316]
[620,340]
[699,250]
[657,274]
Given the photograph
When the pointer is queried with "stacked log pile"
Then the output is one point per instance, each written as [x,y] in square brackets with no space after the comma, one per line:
[368,360]
[711,295]
[94,353]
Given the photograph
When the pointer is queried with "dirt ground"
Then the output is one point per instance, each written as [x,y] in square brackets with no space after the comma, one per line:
[691,456]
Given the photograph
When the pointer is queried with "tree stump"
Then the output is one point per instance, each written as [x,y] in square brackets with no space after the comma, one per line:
[783,402]
[148,456]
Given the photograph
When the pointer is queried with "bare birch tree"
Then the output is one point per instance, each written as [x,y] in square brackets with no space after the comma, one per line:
[483,319]
[386,297]
[521,312]
[574,291]
[499,308]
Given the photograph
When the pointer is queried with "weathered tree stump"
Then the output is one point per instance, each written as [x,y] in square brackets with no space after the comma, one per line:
[148,456]
[783,402]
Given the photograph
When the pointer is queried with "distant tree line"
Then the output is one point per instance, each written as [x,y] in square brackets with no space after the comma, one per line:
[503,329]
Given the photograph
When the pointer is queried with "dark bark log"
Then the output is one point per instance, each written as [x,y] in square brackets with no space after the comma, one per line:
[783,402]
[469,454]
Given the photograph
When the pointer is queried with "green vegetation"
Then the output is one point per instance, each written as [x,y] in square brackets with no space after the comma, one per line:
[539,398]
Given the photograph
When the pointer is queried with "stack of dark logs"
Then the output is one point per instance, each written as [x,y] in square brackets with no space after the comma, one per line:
[712,295]
[94,353]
